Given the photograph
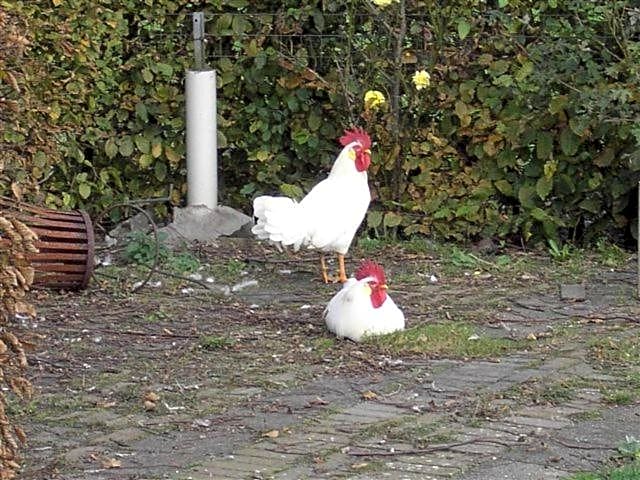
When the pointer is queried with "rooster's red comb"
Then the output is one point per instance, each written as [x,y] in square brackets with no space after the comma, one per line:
[369,268]
[356,135]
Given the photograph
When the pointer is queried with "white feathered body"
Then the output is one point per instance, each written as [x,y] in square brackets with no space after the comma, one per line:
[351,314]
[326,219]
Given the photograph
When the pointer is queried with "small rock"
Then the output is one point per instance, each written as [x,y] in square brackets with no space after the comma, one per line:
[574,292]
[244,284]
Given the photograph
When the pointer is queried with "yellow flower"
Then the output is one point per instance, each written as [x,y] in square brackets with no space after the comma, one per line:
[383,3]
[421,79]
[373,100]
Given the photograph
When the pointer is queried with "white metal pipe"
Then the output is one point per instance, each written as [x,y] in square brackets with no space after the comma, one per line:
[202,154]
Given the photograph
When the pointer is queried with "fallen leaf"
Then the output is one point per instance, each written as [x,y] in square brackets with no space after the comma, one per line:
[271,434]
[149,406]
[369,395]
[357,466]
[111,463]
[151,397]
[532,336]
[318,401]
[105,404]
[166,331]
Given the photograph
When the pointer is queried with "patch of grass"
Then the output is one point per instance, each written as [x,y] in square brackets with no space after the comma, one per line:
[540,392]
[586,415]
[616,351]
[409,430]
[213,342]
[460,258]
[228,271]
[156,316]
[141,249]
[418,244]
[448,339]
[557,393]
[322,345]
[610,254]
[370,246]
[630,471]
[561,253]
[620,397]
[629,452]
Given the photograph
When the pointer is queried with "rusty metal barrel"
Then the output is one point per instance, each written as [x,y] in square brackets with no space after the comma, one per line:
[65,244]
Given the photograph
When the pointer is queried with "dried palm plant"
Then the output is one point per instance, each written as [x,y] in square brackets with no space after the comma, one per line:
[16,276]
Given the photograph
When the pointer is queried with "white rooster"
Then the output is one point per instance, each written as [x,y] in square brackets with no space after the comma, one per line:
[329,215]
[363,306]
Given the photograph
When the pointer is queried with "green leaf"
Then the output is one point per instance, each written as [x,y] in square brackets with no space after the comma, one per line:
[291,191]
[503,3]
[126,146]
[558,104]
[318,20]
[221,139]
[565,185]
[314,122]
[579,125]
[464,28]
[544,145]
[143,143]
[526,196]
[156,148]
[569,142]
[634,160]
[592,205]
[171,155]
[145,160]
[110,148]
[605,158]
[301,136]
[147,76]
[84,189]
[262,155]
[504,187]
[540,215]
[252,48]
[524,71]
[391,219]
[374,219]
[141,112]
[160,171]
[544,186]
[165,69]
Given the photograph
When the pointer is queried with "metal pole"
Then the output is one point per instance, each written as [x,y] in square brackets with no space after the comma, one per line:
[201,128]
[198,40]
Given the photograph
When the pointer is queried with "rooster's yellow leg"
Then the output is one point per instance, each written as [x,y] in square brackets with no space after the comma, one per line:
[342,275]
[323,268]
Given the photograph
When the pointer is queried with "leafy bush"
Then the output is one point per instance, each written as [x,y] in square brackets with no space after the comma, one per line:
[141,248]
[529,127]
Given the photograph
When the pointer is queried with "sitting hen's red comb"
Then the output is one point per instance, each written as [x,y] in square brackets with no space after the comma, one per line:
[369,268]
[356,135]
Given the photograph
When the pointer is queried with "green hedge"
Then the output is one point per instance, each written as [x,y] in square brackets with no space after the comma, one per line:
[529,128]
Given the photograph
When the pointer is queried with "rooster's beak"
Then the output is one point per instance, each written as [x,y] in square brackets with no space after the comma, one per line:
[384,286]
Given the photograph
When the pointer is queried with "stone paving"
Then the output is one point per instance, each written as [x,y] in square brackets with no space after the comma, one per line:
[416,418]
[325,447]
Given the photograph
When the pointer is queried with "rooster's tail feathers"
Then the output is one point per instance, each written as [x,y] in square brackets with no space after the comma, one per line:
[279,219]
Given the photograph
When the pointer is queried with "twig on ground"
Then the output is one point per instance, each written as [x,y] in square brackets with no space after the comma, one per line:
[578,446]
[435,448]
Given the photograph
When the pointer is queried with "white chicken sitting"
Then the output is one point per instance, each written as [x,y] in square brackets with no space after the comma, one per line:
[328,217]
[363,306]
